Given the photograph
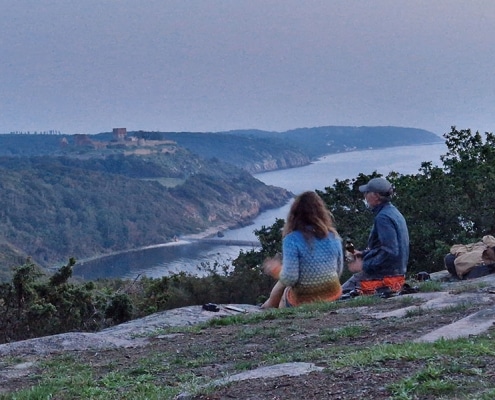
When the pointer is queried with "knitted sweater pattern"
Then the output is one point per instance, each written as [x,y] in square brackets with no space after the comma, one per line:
[312,270]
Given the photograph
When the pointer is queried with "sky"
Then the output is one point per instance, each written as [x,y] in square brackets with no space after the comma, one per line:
[88,66]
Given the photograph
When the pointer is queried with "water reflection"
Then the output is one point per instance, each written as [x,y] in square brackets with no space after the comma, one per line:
[158,261]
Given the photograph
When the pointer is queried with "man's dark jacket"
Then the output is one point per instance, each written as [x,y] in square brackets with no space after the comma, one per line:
[388,244]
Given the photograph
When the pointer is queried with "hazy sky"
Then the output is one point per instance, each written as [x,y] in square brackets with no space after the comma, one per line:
[87,66]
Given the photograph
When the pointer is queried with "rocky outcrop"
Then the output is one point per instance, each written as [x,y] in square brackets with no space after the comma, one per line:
[138,332]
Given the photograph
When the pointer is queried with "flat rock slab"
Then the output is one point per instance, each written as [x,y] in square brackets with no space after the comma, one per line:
[437,300]
[272,371]
[71,341]
[473,324]
[448,280]
[130,334]
[17,371]
[184,316]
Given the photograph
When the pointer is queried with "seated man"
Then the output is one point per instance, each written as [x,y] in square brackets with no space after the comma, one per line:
[387,253]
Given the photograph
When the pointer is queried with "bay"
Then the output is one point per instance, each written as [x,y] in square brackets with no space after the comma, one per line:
[187,255]
[323,173]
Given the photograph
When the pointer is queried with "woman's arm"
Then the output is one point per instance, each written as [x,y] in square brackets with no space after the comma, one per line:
[289,275]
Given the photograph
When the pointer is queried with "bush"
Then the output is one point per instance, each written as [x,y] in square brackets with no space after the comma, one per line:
[34,305]
[120,308]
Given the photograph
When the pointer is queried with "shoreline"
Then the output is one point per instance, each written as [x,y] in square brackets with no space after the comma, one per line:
[323,156]
[183,240]
[210,232]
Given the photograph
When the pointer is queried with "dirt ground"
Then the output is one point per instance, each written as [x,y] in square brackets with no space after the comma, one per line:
[226,347]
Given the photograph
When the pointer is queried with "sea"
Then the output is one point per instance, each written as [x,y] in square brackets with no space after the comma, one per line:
[196,256]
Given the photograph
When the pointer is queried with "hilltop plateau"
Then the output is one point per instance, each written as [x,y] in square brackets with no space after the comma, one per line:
[426,345]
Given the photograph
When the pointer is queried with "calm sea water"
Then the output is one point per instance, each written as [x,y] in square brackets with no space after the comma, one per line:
[324,172]
[186,256]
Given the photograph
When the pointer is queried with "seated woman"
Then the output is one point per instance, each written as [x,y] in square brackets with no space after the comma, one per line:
[312,256]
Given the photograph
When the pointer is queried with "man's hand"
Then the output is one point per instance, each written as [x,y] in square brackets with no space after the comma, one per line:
[356,265]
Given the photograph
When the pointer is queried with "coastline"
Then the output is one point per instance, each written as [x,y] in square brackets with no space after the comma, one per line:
[316,159]
[183,240]
[319,158]
[210,232]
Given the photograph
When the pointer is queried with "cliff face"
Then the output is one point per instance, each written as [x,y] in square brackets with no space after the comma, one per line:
[287,159]
[226,206]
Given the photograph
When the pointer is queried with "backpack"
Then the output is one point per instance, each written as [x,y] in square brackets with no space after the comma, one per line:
[468,256]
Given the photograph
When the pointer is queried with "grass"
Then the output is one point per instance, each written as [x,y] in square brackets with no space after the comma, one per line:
[441,375]
[304,311]
[65,379]
[457,308]
[430,286]
[445,373]
[468,287]
[448,365]
[444,369]
[333,335]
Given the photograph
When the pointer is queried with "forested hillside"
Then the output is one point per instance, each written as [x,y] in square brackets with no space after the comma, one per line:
[54,208]
[334,139]
[257,151]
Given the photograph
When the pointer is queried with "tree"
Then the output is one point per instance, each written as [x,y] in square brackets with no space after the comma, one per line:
[470,163]
[442,205]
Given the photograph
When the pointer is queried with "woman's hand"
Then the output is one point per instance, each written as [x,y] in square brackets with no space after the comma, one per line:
[272,266]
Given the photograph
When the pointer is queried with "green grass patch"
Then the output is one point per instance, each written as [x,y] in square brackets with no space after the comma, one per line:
[333,335]
[456,308]
[415,351]
[430,286]
[65,378]
[416,312]
[468,287]
[431,380]
[304,311]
